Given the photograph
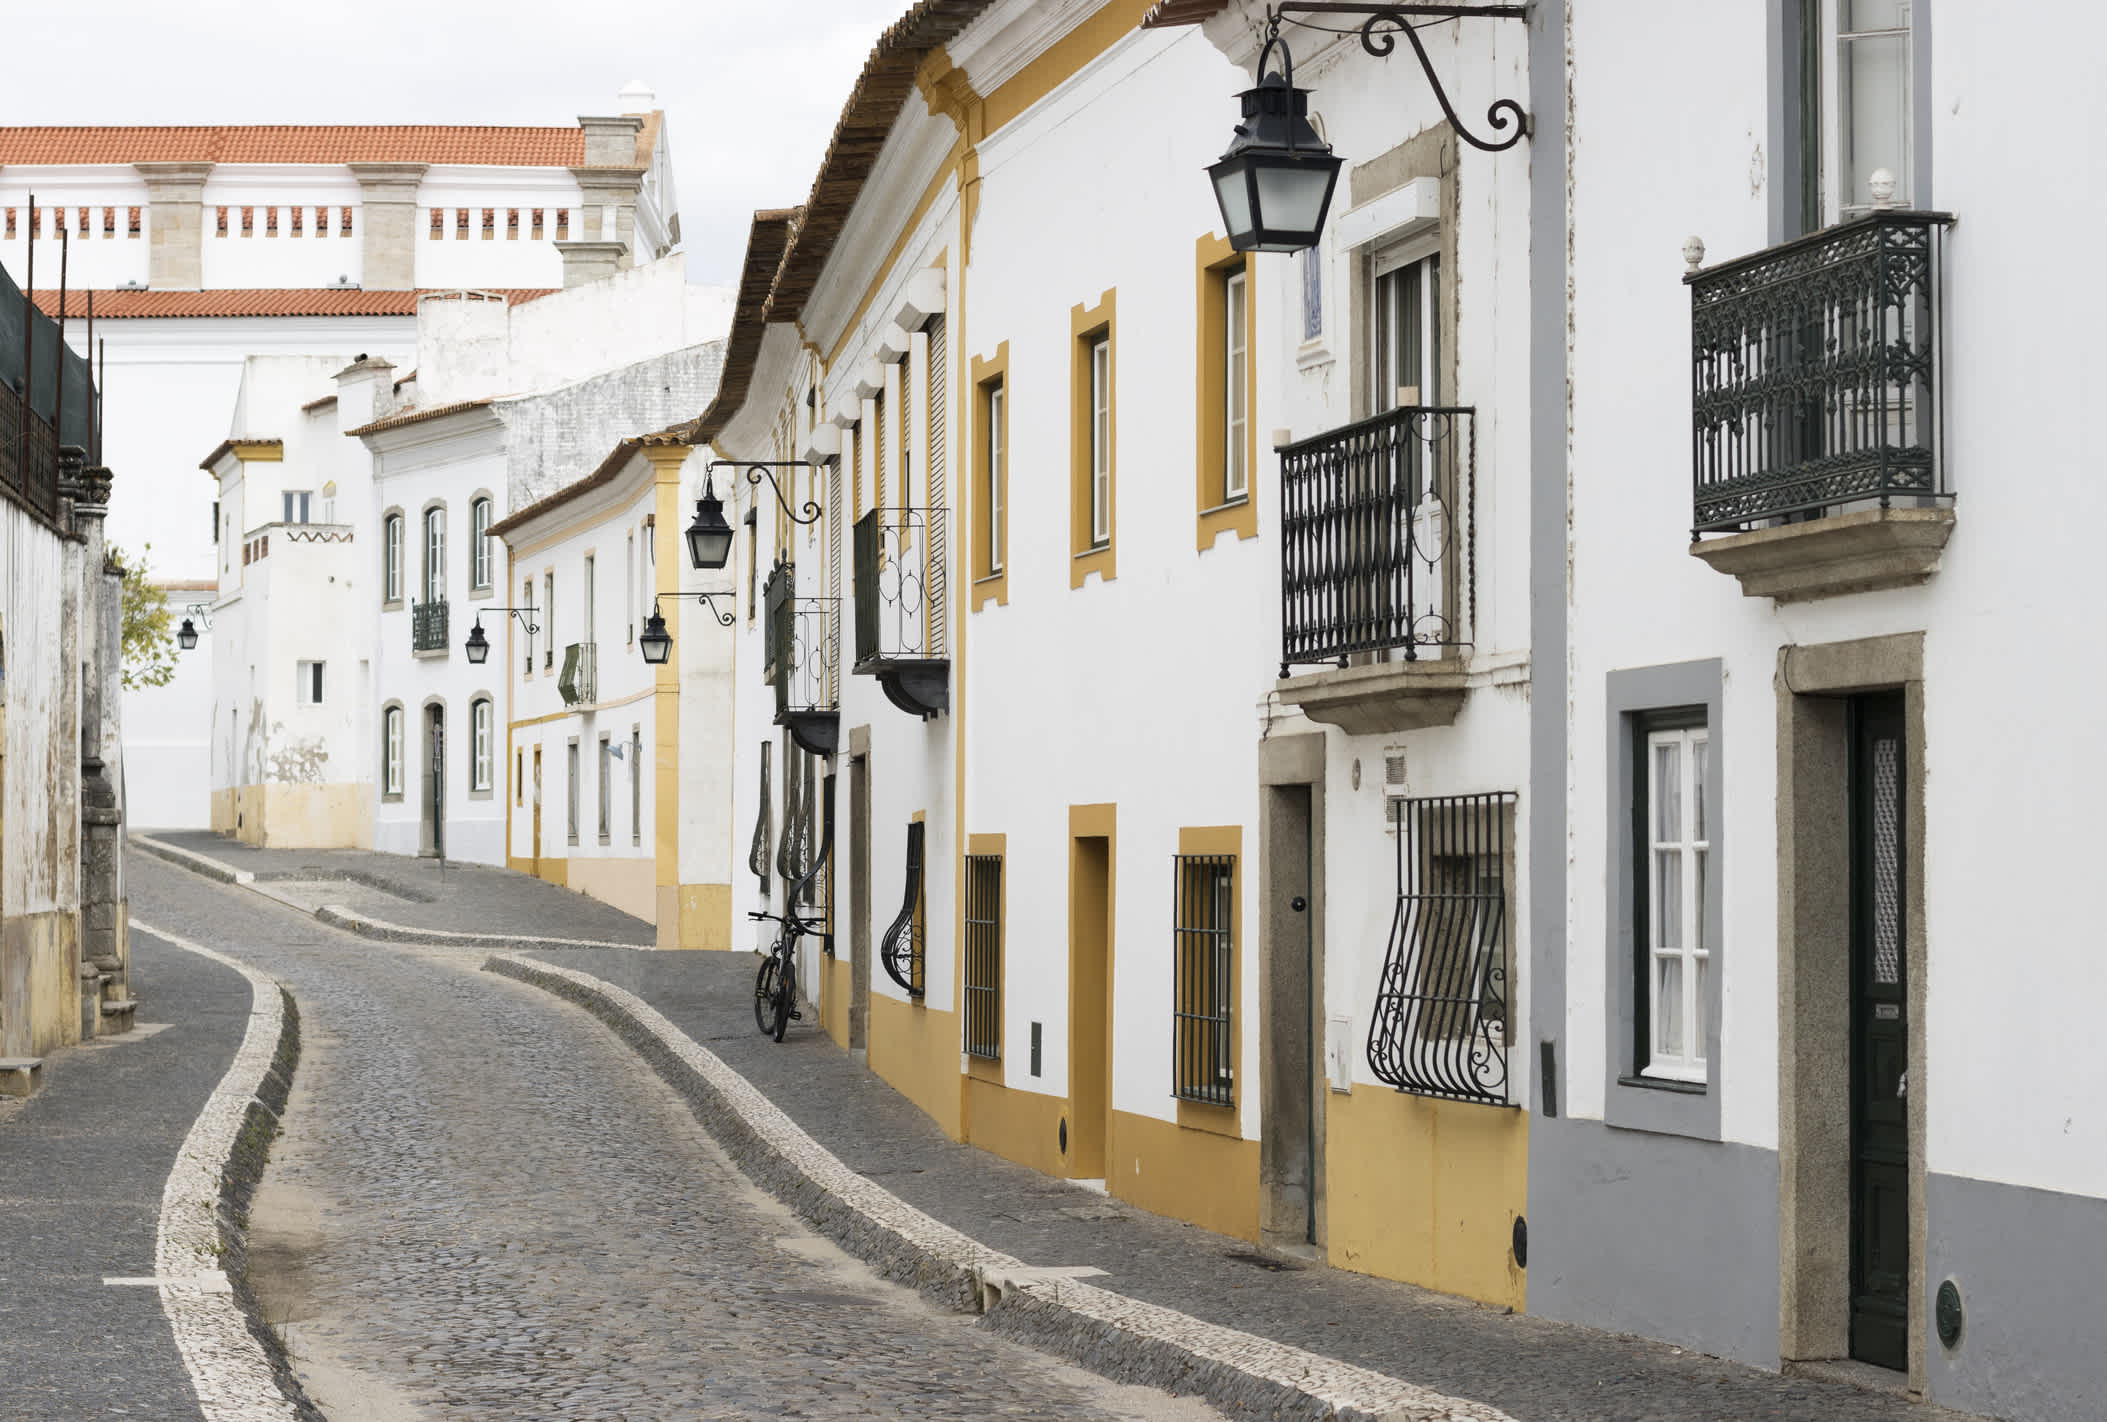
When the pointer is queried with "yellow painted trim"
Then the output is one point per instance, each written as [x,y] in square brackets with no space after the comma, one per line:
[665,713]
[702,917]
[1016,1124]
[1209,1179]
[916,1049]
[834,985]
[1427,1191]
[1086,326]
[1089,1142]
[526,550]
[1063,60]
[1214,260]
[258,451]
[987,375]
[630,700]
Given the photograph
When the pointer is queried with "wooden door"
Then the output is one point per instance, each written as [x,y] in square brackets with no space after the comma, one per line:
[1089,1005]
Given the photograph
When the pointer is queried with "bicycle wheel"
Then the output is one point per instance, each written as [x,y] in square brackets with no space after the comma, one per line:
[786,995]
[768,998]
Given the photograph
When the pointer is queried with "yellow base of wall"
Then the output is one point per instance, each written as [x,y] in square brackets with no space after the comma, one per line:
[1019,1125]
[39,982]
[1427,1191]
[336,816]
[1174,1170]
[834,983]
[624,882]
[916,1050]
[703,919]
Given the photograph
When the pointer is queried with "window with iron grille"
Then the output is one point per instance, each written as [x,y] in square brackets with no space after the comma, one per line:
[984,956]
[901,948]
[1203,989]
[757,857]
[1441,1020]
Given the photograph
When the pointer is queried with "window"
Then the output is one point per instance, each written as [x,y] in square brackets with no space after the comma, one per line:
[308,682]
[297,502]
[606,778]
[983,975]
[994,471]
[391,559]
[585,633]
[571,767]
[753,560]
[548,620]
[479,757]
[1100,443]
[636,785]
[391,751]
[1672,905]
[1312,294]
[479,544]
[1406,329]
[1236,414]
[901,949]
[519,777]
[1440,1018]
[629,589]
[1203,987]
[526,598]
[1869,139]
[435,555]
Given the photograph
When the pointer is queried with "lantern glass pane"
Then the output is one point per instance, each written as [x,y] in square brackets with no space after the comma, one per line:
[1291,198]
[1234,195]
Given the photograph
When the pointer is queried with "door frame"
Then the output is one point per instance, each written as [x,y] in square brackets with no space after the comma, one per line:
[1291,984]
[1814,987]
[1087,1151]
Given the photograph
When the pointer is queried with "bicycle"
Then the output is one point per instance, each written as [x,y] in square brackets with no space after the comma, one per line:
[775,986]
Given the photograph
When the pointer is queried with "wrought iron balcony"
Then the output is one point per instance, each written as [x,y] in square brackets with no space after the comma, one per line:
[1815,376]
[801,656]
[900,607]
[579,681]
[428,626]
[29,453]
[1377,538]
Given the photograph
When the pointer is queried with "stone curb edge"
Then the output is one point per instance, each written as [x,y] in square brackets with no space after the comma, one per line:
[337,916]
[1116,1336]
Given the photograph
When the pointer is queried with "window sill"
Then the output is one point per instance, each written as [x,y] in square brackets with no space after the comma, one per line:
[1206,1116]
[606,840]
[1095,550]
[480,794]
[1240,501]
[481,594]
[432,654]
[391,799]
[994,577]
[1665,1083]
[391,604]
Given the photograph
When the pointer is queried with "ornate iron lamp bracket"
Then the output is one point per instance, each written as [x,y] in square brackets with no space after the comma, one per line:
[706,599]
[1380,26]
[524,614]
[757,469]
[202,611]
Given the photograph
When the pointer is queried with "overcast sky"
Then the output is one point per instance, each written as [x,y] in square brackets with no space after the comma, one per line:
[751,90]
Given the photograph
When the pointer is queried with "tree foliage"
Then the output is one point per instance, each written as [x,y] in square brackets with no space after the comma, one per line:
[148,638]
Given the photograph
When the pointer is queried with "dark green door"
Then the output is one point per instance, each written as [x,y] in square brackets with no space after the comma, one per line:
[1879,1039]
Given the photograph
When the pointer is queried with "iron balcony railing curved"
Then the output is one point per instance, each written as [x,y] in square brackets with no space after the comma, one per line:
[901,947]
[1441,1019]
[801,646]
[1815,375]
[900,585]
[1378,537]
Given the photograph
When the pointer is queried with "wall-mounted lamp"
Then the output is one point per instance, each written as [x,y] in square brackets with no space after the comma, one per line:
[656,643]
[478,646]
[187,634]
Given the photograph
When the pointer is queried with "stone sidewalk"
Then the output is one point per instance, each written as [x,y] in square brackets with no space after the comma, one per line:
[393,895]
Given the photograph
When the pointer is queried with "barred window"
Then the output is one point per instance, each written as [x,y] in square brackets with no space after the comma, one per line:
[1440,1025]
[984,956]
[757,856]
[1203,1046]
[901,948]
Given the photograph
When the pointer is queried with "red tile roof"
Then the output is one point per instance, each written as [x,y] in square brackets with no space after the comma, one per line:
[262,301]
[297,143]
[412,417]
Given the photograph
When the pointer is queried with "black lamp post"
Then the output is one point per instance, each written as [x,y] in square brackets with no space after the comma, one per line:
[655,642]
[709,537]
[1274,185]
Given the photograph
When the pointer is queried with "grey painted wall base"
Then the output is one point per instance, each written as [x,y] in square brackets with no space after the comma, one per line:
[1658,1235]
[2031,1265]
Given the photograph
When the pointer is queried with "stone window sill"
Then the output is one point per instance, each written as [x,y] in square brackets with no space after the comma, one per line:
[1831,557]
[1663,1083]
[1381,697]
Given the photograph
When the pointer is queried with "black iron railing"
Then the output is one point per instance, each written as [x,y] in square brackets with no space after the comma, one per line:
[800,646]
[901,947]
[1203,1037]
[1815,375]
[428,626]
[983,960]
[29,453]
[1440,1022]
[899,585]
[1378,537]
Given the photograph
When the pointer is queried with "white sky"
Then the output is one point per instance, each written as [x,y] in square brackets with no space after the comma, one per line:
[751,90]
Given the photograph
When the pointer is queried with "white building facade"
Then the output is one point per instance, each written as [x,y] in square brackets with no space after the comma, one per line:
[205,245]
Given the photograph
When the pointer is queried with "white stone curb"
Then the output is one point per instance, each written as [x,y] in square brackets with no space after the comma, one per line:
[190,859]
[1343,1388]
[227,1365]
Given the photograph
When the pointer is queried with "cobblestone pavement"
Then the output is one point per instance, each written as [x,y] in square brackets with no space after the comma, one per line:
[1533,1369]
[82,1165]
[483,1205]
[419,893]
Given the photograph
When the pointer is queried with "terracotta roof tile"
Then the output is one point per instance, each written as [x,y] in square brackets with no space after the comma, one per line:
[297,143]
[1166,13]
[260,301]
[605,474]
[414,417]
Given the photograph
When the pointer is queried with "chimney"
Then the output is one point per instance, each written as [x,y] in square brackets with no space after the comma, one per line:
[365,392]
[175,224]
[636,97]
[388,218]
[611,142]
[591,261]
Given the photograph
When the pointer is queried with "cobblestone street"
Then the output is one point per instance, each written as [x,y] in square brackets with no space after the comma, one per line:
[483,1205]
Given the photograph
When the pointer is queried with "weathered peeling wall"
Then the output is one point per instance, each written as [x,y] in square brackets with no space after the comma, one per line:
[562,436]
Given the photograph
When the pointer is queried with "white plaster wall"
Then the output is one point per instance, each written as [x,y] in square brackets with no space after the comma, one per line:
[40,870]
[2012,770]
[316,257]
[92,259]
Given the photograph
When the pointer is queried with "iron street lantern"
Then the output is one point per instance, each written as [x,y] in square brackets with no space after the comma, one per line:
[478,645]
[709,537]
[1274,185]
[655,642]
[186,635]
